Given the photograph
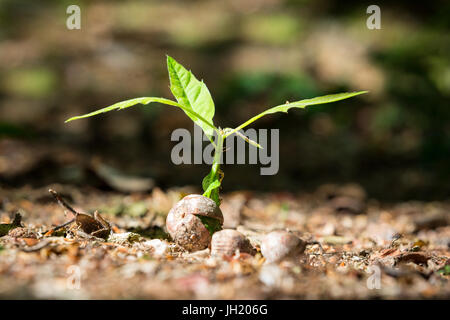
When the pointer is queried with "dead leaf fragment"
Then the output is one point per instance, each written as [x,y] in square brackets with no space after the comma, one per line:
[5,228]
[416,257]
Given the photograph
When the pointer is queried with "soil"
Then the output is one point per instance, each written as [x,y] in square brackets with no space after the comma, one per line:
[358,248]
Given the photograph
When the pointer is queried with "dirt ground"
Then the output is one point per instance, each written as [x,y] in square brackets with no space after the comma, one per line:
[359,248]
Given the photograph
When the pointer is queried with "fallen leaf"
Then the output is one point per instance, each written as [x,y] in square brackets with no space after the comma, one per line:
[416,257]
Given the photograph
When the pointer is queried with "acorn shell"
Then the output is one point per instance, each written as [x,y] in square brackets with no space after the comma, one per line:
[185,228]
[280,245]
[227,242]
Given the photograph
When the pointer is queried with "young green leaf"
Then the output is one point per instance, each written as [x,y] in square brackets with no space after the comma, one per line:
[192,94]
[211,185]
[299,104]
[144,100]
[212,182]
[125,104]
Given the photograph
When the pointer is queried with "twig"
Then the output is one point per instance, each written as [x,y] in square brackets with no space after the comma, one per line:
[37,247]
[60,226]
[61,202]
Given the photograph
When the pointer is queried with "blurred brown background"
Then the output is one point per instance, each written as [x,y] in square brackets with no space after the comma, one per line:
[252,54]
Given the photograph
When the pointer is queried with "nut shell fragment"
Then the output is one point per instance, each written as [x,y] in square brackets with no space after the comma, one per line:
[227,242]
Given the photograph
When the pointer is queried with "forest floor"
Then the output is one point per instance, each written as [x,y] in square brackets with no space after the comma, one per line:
[363,248]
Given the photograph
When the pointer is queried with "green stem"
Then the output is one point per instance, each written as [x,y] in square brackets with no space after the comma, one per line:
[216,164]
[214,174]
[218,152]
[246,123]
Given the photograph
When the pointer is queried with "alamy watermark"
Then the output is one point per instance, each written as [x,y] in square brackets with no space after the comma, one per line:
[73,21]
[236,149]
[374,280]
[73,281]
[374,20]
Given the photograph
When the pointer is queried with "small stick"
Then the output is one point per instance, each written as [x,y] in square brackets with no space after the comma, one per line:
[37,247]
[60,226]
[63,204]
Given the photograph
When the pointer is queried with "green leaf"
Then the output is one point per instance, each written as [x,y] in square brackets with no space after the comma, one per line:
[211,224]
[144,100]
[208,181]
[299,104]
[125,104]
[192,94]
[211,184]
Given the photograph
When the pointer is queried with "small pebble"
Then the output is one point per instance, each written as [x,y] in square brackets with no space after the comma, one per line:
[279,245]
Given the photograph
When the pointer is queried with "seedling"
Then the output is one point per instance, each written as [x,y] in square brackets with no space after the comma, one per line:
[194,98]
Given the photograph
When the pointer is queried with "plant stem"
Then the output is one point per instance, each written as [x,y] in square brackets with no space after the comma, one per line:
[218,151]
[211,183]
[216,163]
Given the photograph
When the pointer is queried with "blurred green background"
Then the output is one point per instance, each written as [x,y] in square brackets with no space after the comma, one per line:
[253,54]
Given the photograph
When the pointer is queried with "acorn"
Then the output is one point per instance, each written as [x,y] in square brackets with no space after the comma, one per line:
[280,245]
[193,220]
[227,242]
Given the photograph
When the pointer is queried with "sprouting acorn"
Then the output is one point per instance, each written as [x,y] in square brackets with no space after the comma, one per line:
[193,220]
[280,245]
[227,242]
